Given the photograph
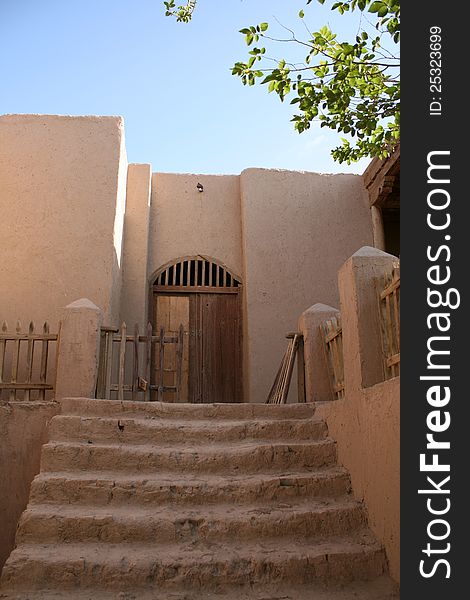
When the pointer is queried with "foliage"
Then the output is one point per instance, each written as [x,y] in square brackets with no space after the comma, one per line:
[352,87]
[182,13]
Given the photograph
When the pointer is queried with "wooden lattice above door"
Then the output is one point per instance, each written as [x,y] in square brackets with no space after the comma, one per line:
[196,272]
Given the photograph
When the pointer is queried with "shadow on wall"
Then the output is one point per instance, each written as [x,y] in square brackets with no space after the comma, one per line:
[22,433]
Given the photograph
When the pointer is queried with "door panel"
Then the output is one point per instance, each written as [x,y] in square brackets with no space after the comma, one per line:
[212,363]
[220,325]
[195,346]
[171,312]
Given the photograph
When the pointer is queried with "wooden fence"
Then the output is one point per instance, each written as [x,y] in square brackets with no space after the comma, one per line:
[333,336]
[389,302]
[26,357]
[280,388]
[144,372]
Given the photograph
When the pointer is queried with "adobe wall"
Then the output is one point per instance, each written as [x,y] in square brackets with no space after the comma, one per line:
[22,433]
[366,427]
[298,228]
[62,200]
[134,296]
[186,222]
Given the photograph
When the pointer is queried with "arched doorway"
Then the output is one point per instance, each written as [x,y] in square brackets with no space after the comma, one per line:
[205,296]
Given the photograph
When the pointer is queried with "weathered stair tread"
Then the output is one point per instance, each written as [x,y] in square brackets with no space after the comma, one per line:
[382,588]
[116,487]
[247,456]
[85,406]
[153,501]
[317,517]
[146,428]
[195,565]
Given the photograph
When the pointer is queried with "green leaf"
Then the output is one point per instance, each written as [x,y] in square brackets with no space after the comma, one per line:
[263,26]
[375,7]
[301,14]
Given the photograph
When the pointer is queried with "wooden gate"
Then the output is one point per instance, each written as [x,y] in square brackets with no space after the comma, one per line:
[205,297]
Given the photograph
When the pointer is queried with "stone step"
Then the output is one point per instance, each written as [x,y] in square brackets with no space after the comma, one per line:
[154,430]
[127,524]
[116,488]
[115,408]
[245,457]
[381,588]
[193,566]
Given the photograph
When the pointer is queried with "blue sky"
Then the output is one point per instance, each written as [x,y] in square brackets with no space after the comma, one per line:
[183,110]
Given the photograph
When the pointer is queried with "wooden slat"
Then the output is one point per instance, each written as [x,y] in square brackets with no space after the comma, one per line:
[23,363]
[393,360]
[391,287]
[273,389]
[187,272]
[15,361]
[290,368]
[135,363]
[333,346]
[301,395]
[164,388]
[100,382]
[179,363]
[155,339]
[109,363]
[37,337]
[161,356]
[126,388]
[29,360]
[196,289]
[3,344]
[331,335]
[389,302]
[323,332]
[210,274]
[280,388]
[389,330]
[13,386]
[148,361]
[122,360]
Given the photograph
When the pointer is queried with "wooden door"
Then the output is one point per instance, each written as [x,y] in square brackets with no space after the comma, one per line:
[170,312]
[212,348]
[215,348]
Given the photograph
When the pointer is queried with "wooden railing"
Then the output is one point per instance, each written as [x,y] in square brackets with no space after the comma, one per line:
[144,372]
[29,373]
[280,389]
[389,301]
[333,336]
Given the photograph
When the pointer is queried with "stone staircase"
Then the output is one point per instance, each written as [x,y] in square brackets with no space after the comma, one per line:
[189,502]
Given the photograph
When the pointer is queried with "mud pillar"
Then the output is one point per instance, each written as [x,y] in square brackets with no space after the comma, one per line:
[317,376]
[78,350]
[360,316]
